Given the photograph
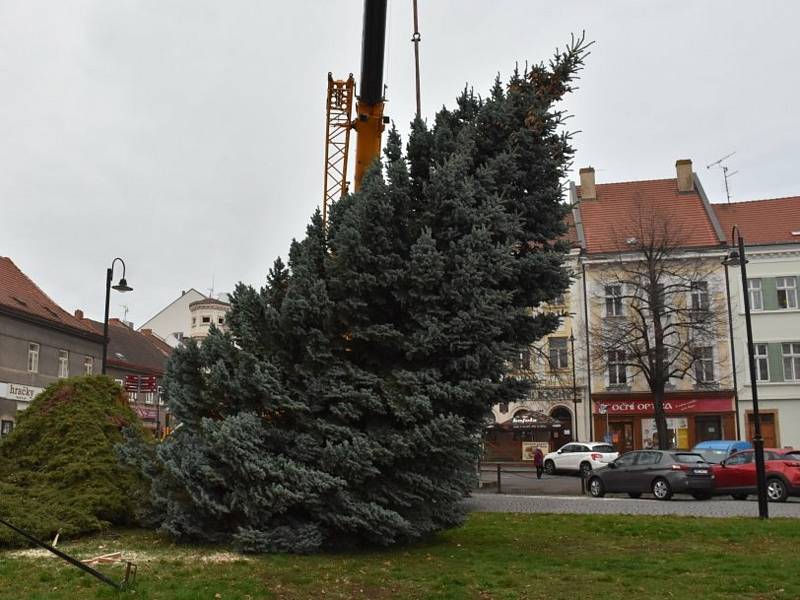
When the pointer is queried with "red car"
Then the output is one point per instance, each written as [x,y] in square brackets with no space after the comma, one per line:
[737,474]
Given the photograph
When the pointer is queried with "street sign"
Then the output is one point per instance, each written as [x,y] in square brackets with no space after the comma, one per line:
[147,383]
[141,383]
[131,383]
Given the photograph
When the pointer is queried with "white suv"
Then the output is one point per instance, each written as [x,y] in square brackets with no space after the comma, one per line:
[579,456]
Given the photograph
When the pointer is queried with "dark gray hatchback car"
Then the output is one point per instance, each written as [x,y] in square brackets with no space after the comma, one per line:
[660,472]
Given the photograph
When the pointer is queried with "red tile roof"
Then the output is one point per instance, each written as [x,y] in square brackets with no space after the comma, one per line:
[163,346]
[208,301]
[571,235]
[130,348]
[20,294]
[762,221]
[610,219]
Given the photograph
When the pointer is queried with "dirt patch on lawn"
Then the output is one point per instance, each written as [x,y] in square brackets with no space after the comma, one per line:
[141,557]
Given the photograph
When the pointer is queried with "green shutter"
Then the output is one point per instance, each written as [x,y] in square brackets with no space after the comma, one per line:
[775,358]
[770,296]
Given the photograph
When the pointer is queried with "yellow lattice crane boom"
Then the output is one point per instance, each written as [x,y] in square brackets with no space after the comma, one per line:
[369,122]
[339,108]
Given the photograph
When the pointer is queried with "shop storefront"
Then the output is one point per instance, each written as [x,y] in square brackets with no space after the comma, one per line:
[517,439]
[14,397]
[626,420]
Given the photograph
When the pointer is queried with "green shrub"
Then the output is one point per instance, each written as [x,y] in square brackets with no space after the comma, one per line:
[59,470]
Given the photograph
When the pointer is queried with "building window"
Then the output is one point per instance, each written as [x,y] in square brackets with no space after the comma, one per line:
[699,295]
[33,357]
[558,353]
[6,427]
[756,299]
[524,361]
[194,321]
[88,365]
[160,394]
[617,369]
[221,320]
[206,319]
[613,300]
[63,363]
[762,362]
[787,292]
[503,407]
[148,397]
[791,361]
[704,364]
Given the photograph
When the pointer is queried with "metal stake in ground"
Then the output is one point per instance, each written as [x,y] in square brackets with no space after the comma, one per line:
[66,557]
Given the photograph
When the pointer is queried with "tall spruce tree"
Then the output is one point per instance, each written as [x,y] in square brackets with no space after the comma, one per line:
[346,403]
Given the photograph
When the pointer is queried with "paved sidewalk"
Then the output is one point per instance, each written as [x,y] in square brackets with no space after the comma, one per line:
[679,505]
[522,480]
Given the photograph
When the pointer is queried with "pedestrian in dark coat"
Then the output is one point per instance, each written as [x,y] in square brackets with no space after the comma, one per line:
[538,461]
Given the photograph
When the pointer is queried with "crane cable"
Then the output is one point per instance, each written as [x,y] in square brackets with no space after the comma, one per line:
[415,39]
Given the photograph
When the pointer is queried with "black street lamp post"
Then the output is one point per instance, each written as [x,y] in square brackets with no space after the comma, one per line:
[733,350]
[574,388]
[738,257]
[122,286]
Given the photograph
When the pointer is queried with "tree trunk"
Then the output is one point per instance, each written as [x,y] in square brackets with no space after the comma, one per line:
[660,417]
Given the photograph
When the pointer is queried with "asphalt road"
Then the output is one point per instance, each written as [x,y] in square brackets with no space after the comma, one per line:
[679,505]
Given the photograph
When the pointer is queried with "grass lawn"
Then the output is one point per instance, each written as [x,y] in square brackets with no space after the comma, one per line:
[494,556]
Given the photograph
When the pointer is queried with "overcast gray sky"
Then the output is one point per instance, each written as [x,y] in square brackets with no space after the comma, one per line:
[186,136]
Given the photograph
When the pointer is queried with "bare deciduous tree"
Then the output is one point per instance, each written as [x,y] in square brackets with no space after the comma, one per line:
[661,315]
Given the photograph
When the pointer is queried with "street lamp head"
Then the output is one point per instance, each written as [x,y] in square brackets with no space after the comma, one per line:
[122,286]
[733,259]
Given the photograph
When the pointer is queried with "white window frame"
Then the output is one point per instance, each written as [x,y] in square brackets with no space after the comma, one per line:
[700,299]
[562,358]
[616,368]
[88,365]
[787,285]
[761,356]
[704,365]
[755,289]
[790,353]
[613,300]
[63,363]
[33,357]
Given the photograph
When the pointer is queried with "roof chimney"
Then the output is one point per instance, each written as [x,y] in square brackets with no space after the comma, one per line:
[684,170]
[78,313]
[587,184]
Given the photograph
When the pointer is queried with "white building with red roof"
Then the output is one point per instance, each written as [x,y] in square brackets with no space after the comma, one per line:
[771,233]
[610,218]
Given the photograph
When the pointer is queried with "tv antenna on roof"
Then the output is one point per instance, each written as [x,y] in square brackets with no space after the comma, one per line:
[725,174]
